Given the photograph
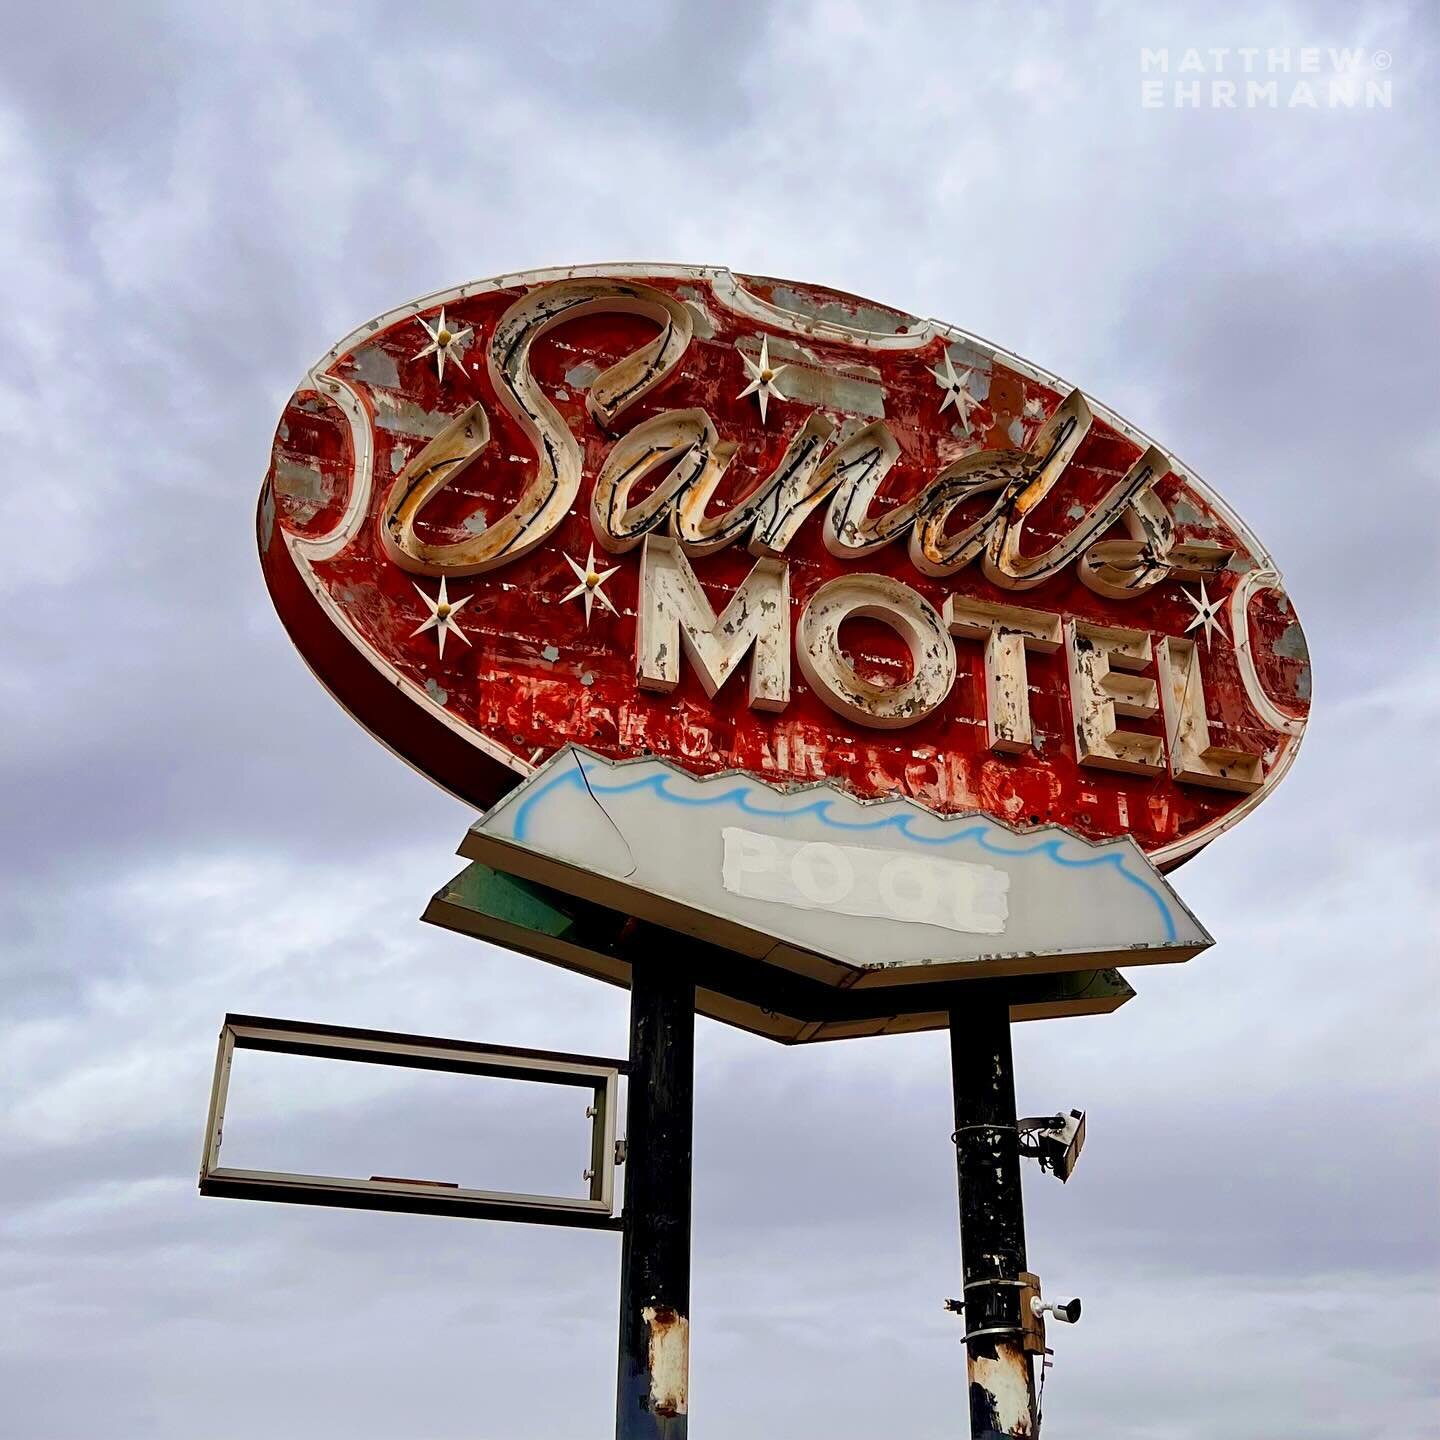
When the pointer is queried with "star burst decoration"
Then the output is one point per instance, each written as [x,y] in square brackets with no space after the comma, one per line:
[762,377]
[444,343]
[589,589]
[957,393]
[442,616]
[1207,613]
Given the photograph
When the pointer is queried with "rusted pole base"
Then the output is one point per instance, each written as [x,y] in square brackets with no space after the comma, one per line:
[992,1218]
[653,1391]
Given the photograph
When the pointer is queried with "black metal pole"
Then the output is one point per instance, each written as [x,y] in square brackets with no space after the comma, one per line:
[652,1396]
[992,1218]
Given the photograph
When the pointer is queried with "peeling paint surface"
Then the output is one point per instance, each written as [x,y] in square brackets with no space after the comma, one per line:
[669,1353]
[1003,1383]
[536,674]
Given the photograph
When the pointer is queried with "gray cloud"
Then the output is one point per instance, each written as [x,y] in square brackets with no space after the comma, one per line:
[195,209]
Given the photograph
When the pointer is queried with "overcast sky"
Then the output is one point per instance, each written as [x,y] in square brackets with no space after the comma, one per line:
[196,201]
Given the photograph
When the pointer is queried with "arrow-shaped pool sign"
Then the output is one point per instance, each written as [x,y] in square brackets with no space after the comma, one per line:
[813,880]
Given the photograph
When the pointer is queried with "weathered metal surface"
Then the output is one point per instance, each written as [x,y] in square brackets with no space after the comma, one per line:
[811,880]
[752,449]
[668,1356]
[652,1394]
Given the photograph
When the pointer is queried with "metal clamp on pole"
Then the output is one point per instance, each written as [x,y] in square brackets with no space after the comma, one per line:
[982,1331]
[966,1129]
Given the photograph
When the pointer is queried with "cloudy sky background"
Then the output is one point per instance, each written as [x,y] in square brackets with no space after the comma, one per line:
[197,203]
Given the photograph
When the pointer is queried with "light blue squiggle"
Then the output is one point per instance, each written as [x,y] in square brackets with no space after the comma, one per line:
[742,797]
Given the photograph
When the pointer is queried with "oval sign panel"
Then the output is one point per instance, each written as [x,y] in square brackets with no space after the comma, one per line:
[744,524]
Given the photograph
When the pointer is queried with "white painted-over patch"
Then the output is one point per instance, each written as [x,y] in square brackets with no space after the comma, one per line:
[669,1349]
[1004,1380]
[883,884]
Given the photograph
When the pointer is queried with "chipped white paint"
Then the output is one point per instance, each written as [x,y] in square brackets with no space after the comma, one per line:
[883,884]
[1186,560]
[315,548]
[669,1356]
[453,450]
[1187,732]
[1123,569]
[673,612]
[835,680]
[1051,452]
[1008,631]
[1020,480]
[1005,1379]
[1097,657]
[730,292]
[857,464]
[547,496]
[1265,706]
[803,479]
[684,441]
[701,532]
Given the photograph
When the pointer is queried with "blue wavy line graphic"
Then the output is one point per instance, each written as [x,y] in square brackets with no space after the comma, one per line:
[742,797]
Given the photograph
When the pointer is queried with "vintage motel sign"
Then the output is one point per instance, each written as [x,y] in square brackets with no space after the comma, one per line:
[879,582]
[883,667]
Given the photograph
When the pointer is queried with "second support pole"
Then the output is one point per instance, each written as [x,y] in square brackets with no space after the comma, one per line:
[992,1218]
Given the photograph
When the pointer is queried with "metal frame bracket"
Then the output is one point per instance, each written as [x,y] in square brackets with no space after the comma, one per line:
[377,1047]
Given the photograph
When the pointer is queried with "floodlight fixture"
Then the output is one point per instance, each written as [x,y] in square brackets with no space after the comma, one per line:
[1054,1140]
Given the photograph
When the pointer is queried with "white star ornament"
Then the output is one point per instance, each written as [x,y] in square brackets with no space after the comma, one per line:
[1207,614]
[590,587]
[762,377]
[442,616]
[444,344]
[957,393]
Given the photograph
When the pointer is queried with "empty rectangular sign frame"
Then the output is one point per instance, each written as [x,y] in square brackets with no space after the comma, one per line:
[379,1047]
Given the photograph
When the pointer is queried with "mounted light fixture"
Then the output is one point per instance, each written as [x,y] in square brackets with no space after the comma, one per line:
[1054,1140]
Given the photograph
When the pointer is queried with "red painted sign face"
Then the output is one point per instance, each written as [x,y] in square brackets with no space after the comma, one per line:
[744,524]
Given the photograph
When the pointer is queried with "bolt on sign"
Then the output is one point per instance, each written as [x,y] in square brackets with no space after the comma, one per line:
[728,524]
